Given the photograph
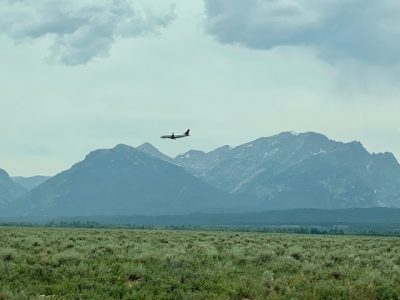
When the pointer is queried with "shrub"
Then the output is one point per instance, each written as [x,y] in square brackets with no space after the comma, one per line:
[265,257]
[286,264]
[5,296]
[296,253]
[7,255]
[69,257]
[268,278]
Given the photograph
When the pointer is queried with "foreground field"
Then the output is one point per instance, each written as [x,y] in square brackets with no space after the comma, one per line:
[138,264]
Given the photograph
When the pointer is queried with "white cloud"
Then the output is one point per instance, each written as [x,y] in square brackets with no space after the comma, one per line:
[80,30]
[365,30]
[51,117]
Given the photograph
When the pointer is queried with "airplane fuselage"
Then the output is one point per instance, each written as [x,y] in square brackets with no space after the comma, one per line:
[174,137]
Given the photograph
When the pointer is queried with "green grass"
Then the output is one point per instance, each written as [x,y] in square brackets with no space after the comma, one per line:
[38,263]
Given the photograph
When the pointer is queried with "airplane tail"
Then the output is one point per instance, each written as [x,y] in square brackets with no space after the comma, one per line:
[187,132]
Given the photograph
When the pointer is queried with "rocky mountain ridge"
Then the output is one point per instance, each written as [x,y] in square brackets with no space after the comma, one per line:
[291,170]
[285,171]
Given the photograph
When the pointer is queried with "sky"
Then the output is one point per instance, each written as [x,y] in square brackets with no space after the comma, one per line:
[76,76]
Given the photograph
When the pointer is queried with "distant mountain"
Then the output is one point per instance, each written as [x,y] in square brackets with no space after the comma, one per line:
[29,183]
[153,151]
[198,162]
[123,181]
[285,171]
[9,191]
[305,170]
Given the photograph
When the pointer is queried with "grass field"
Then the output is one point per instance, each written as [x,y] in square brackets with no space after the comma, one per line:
[38,263]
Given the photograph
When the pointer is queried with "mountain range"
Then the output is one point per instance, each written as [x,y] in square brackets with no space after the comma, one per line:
[285,171]
[308,170]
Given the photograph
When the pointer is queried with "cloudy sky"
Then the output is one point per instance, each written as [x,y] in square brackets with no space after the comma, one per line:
[80,75]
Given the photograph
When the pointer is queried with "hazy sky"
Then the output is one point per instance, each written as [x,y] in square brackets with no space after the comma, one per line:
[80,75]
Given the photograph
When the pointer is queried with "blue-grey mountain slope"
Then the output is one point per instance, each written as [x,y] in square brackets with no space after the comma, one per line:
[29,183]
[123,181]
[300,171]
[9,192]
[153,151]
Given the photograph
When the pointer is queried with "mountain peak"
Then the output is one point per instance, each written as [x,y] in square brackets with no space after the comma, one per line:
[390,156]
[387,157]
[153,151]
[120,181]
[9,190]
[307,134]
[194,152]
[357,145]
[224,148]
[146,145]
[120,149]
[123,147]
[29,183]
[3,173]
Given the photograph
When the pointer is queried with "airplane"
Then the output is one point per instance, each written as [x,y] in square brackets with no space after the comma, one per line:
[174,137]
